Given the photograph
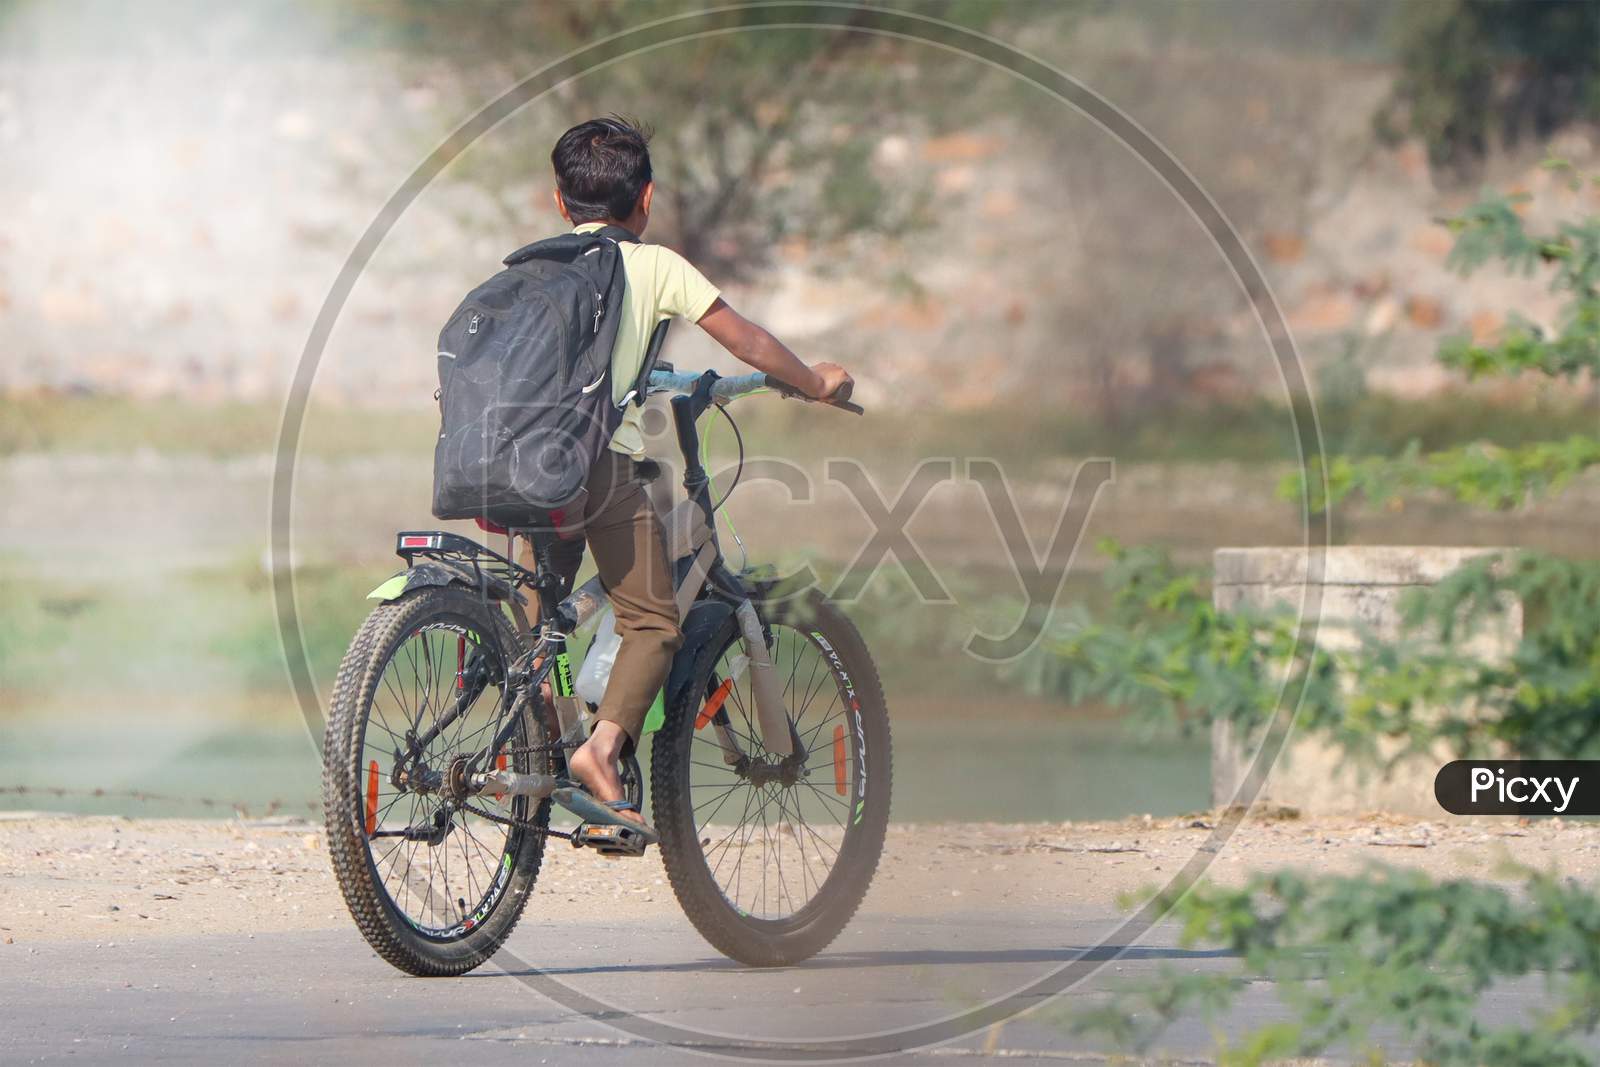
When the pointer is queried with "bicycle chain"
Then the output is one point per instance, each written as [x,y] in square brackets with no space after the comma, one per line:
[505,820]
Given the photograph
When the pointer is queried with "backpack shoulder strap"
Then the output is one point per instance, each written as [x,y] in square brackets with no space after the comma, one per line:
[616,233]
[564,248]
[652,354]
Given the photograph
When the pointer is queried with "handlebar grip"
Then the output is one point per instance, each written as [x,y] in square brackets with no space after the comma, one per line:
[840,399]
[778,385]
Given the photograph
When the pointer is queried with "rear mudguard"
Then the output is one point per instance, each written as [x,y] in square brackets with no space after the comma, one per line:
[426,572]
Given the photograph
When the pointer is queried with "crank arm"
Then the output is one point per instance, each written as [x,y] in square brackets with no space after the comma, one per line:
[513,784]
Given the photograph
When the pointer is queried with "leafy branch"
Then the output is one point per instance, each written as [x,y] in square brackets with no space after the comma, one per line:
[1484,474]
[1481,474]
[1164,652]
[1167,655]
[1387,949]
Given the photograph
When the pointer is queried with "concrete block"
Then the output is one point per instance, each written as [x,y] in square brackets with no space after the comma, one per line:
[1360,588]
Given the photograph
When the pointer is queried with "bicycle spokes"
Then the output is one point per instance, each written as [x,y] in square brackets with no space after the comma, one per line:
[772,828]
[438,703]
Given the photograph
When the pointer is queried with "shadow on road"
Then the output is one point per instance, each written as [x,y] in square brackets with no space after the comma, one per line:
[908,958]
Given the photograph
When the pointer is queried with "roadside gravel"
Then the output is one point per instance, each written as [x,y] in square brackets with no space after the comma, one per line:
[111,878]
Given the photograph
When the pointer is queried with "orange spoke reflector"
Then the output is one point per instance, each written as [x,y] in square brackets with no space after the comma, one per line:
[372,798]
[719,696]
[838,760]
[500,763]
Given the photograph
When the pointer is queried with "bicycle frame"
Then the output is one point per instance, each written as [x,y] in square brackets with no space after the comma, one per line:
[701,578]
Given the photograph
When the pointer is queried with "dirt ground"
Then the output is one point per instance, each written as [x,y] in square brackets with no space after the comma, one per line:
[113,878]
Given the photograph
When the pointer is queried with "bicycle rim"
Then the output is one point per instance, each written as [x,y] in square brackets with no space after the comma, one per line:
[442,889]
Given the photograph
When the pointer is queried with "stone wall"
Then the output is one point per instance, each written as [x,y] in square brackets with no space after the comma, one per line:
[184,183]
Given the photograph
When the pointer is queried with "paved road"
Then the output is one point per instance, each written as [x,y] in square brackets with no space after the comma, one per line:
[598,996]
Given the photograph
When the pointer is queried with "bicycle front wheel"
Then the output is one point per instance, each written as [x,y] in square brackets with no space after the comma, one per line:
[770,857]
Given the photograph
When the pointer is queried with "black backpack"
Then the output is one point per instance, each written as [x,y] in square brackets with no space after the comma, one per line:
[524,381]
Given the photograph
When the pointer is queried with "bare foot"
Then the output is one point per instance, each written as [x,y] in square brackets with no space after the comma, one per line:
[594,763]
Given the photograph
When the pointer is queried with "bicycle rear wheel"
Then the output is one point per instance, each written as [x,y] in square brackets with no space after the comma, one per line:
[770,859]
[434,886]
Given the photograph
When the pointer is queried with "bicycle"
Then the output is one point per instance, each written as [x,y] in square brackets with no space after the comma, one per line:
[452,715]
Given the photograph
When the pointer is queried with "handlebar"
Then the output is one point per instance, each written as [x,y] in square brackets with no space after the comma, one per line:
[839,399]
[724,389]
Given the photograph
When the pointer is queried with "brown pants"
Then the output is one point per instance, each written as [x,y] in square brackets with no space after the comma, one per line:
[624,533]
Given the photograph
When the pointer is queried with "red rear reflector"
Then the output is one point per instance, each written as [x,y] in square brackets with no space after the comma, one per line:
[839,784]
[416,542]
[372,798]
[461,663]
[718,697]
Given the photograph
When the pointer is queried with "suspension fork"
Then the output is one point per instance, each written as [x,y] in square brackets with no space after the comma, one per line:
[777,733]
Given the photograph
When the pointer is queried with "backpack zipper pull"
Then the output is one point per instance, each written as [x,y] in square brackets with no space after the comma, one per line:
[599,306]
[472,327]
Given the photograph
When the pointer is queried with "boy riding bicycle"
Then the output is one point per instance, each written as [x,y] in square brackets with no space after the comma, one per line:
[603,178]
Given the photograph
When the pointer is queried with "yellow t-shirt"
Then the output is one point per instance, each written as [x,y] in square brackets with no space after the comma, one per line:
[658,284]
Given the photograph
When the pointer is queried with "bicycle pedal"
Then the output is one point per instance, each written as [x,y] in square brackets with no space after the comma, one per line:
[608,840]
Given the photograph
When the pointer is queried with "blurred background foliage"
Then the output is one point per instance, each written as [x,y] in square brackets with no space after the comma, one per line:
[1476,73]
[186,180]
[1377,966]
[1389,963]
[786,155]
[1163,650]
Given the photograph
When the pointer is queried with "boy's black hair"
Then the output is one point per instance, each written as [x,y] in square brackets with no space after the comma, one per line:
[602,167]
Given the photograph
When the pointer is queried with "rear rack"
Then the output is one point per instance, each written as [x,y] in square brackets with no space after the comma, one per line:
[453,548]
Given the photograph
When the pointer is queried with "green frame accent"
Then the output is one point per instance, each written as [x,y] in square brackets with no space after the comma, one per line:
[391,588]
[563,678]
[656,717]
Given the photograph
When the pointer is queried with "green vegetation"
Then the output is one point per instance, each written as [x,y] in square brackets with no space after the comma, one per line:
[211,633]
[1383,959]
[1476,73]
[103,423]
[1163,652]
[168,638]
[1248,433]
[786,156]
[1359,959]
[1500,475]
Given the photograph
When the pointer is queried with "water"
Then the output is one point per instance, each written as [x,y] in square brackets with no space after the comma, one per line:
[984,767]
[1036,768]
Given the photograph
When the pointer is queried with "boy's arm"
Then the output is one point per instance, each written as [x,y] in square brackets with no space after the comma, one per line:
[764,352]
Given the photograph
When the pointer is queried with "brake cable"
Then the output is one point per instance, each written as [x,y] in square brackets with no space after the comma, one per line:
[705,461]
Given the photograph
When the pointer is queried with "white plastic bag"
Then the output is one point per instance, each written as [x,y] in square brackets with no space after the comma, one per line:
[597,664]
